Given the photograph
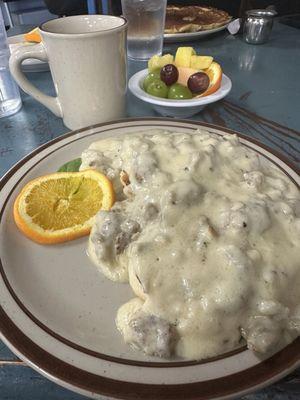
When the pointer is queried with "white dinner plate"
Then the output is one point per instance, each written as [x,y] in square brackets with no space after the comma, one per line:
[190,36]
[31,64]
[57,310]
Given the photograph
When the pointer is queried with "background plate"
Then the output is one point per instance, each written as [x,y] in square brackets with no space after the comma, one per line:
[189,36]
[57,311]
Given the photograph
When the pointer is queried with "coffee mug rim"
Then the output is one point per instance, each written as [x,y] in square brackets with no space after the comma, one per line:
[89,34]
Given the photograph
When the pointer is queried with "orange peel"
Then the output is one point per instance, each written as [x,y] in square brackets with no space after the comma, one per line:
[214,73]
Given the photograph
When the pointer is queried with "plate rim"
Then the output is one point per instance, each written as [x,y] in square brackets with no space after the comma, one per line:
[185,36]
[44,363]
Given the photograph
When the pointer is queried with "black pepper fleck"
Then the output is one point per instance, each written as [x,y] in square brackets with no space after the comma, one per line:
[244,224]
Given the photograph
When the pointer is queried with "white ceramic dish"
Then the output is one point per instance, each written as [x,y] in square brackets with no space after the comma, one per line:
[176,108]
[190,36]
[32,64]
[57,311]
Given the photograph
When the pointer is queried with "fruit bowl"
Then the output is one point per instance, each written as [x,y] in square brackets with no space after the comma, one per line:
[176,108]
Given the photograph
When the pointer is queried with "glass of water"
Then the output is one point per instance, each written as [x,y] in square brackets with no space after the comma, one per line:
[10,100]
[146,21]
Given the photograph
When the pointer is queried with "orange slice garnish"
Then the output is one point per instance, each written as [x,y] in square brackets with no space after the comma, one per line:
[214,73]
[33,36]
[60,207]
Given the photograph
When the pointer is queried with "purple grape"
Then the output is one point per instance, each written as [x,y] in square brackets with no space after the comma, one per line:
[198,82]
[169,74]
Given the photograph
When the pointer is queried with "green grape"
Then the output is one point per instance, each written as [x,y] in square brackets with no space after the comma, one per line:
[158,88]
[179,92]
[150,78]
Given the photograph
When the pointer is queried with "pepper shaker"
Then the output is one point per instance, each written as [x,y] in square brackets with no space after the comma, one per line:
[258,25]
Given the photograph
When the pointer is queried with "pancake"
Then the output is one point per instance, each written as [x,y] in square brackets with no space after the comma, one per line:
[194,19]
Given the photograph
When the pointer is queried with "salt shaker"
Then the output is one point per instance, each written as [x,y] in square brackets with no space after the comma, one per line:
[258,25]
[10,100]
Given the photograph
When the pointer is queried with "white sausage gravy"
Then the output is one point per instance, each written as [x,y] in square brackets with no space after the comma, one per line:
[207,233]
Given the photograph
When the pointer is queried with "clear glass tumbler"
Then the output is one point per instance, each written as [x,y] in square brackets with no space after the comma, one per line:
[10,100]
[146,21]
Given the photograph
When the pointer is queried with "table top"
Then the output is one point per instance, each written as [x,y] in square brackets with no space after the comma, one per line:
[263,104]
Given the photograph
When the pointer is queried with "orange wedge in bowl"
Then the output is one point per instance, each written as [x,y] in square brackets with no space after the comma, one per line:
[33,36]
[214,73]
[60,207]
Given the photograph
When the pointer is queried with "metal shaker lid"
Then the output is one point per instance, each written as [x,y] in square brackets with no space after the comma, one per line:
[267,13]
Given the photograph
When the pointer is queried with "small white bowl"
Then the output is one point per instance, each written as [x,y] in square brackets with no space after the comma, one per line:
[176,108]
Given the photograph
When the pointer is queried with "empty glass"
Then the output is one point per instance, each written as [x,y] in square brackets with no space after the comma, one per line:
[10,100]
[146,21]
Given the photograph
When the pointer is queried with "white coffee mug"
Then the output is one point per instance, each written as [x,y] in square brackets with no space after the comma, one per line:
[87,59]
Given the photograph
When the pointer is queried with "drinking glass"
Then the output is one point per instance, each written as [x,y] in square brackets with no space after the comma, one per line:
[10,100]
[146,20]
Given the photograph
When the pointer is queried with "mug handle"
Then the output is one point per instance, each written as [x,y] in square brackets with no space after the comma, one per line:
[37,51]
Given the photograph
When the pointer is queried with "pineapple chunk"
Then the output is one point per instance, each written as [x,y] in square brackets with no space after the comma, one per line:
[183,56]
[156,61]
[201,62]
[167,59]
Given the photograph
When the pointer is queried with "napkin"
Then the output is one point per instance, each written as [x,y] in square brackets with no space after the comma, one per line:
[234,26]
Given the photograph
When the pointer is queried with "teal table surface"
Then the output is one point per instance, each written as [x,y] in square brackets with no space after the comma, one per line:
[264,104]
